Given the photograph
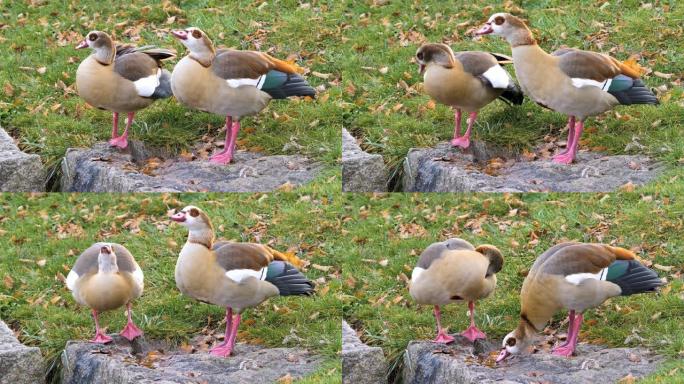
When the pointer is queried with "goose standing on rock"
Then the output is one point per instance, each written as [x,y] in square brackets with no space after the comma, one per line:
[106,277]
[465,81]
[121,79]
[231,83]
[576,277]
[576,83]
[454,271]
[235,276]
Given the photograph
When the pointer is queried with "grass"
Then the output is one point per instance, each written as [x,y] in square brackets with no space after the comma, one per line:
[39,105]
[390,231]
[43,235]
[392,114]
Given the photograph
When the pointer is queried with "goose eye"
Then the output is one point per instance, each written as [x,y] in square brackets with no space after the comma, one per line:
[511,342]
[499,20]
[419,55]
[92,37]
[194,212]
[196,34]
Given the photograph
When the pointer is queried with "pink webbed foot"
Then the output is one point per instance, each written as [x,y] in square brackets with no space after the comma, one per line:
[461,142]
[222,350]
[101,338]
[472,334]
[564,158]
[443,338]
[131,331]
[221,158]
[119,142]
[564,350]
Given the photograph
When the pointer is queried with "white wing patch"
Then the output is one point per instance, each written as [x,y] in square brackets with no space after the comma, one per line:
[580,83]
[71,280]
[417,271]
[146,86]
[138,276]
[498,77]
[578,278]
[239,275]
[258,82]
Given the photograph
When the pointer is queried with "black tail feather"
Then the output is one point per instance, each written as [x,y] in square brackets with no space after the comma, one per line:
[295,85]
[288,279]
[636,278]
[163,90]
[513,95]
[638,94]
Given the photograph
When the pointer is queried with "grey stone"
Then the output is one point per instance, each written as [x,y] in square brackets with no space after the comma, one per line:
[103,169]
[19,171]
[426,362]
[361,364]
[361,171]
[447,169]
[85,363]
[19,364]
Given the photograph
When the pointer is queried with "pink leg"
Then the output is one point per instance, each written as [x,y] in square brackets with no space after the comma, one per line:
[472,333]
[464,141]
[571,322]
[573,333]
[115,125]
[226,349]
[229,319]
[130,331]
[442,336]
[569,157]
[225,156]
[457,125]
[100,337]
[122,141]
[571,135]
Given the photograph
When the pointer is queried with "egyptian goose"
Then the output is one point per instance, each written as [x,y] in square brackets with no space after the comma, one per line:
[231,83]
[236,276]
[576,277]
[106,277]
[453,271]
[465,81]
[121,79]
[576,83]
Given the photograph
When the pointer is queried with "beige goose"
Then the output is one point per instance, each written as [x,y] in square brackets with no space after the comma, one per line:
[576,83]
[465,81]
[231,83]
[575,277]
[121,79]
[106,277]
[235,276]
[454,271]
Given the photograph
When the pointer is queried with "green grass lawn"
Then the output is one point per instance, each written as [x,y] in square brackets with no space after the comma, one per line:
[44,234]
[392,114]
[390,232]
[39,106]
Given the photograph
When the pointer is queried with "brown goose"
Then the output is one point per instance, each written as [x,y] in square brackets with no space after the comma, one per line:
[576,83]
[231,83]
[465,81]
[453,271]
[235,276]
[121,79]
[106,277]
[576,277]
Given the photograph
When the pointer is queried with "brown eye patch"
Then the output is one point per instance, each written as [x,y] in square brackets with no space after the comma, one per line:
[499,20]
[511,342]
[92,37]
[419,55]
[194,212]
[196,34]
